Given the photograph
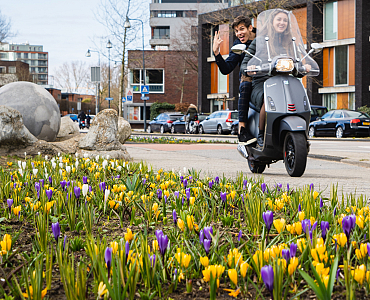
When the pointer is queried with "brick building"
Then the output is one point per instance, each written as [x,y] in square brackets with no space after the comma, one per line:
[12,71]
[340,26]
[171,76]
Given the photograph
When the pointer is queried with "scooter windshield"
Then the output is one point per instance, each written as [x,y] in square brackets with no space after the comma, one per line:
[278,35]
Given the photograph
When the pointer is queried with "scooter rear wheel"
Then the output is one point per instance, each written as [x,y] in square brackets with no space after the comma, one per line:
[257,168]
[295,153]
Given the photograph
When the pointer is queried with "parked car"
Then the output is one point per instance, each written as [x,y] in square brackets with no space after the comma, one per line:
[218,122]
[341,123]
[179,125]
[317,111]
[234,127]
[73,117]
[163,122]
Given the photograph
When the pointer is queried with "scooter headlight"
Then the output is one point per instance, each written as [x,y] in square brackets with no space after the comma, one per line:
[284,65]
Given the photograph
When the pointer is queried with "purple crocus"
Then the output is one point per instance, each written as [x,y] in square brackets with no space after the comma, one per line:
[306,225]
[77,192]
[208,232]
[162,241]
[287,187]
[51,181]
[210,184]
[187,193]
[10,203]
[37,188]
[55,227]
[293,250]
[49,194]
[347,225]
[42,182]
[368,249]
[240,235]
[335,211]
[159,194]
[353,221]
[174,215]
[223,196]
[207,245]
[102,186]
[185,183]
[63,184]
[64,242]
[144,180]
[324,229]
[267,274]
[285,253]
[127,249]
[299,207]
[152,260]
[321,203]
[177,194]
[263,187]
[108,259]
[201,236]
[268,217]
[311,187]
[245,182]
[84,179]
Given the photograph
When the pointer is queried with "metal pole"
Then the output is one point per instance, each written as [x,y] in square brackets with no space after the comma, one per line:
[109,77]
[142,29]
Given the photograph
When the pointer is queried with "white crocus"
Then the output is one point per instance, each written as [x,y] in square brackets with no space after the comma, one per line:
[85,189]
[97,158]
[112,164]
[20,171]
[60,165]
[119,168]
[76,164]
[46,157]
[60,171]
[24,165]
[68,169]
[53,165]
[35,171]
[104,164]
[19,164]
[106,195]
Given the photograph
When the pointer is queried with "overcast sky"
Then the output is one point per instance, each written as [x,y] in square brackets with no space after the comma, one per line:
[66,28]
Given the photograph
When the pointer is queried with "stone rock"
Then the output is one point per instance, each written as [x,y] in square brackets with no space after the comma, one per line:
[13,133]
[103,133]
[67,127]
[114,154]
[124,130]
[40,112]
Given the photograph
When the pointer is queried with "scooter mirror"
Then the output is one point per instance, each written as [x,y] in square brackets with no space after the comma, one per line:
[316,47]
[238,49]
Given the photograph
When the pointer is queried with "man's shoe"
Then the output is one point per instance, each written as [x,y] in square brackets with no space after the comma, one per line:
[260,140]
[242,151]
[245,137]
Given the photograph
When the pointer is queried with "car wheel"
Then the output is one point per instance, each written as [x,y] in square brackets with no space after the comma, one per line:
[201,130]
[149,129]
[339,132]
[162,129]
[173,129]
[219,129]
[311,132]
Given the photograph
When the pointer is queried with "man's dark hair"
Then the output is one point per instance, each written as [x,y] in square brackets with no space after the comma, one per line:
[241,20]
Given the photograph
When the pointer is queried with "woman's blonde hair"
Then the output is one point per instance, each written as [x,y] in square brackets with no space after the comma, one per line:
[284,39]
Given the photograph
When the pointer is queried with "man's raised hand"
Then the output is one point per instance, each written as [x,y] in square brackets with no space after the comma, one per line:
[216,43]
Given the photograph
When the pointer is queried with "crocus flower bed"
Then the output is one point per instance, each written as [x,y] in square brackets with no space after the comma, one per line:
[80,228]
[173,140]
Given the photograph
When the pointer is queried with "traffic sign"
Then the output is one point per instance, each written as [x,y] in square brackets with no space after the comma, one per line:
[123,99]
[129,98]
[144,98]
[109,99]
[145,89]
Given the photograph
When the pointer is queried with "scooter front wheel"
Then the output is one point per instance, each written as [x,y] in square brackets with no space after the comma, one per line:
[295,153]
[255,167]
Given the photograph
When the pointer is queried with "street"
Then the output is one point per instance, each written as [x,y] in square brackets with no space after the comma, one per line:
[345,162]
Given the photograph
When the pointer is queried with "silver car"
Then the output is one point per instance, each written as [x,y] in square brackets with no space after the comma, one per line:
[218,122]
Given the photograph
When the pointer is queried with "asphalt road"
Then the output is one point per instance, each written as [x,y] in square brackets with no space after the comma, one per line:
[344,162]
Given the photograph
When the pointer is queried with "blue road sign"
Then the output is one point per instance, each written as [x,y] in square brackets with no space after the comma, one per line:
[144,98]
[129,98]
[145,89]
[109,99]
[123,99]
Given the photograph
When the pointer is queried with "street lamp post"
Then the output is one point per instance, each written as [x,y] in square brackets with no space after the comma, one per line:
[128,25]
[109,46]
[88,54]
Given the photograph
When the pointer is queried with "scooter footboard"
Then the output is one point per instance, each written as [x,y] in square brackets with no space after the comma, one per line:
[253,121]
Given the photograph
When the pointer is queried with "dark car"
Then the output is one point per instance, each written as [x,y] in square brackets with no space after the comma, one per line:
[73,117]
[341,123]
[317,111]
[235,127]
[163,122]
[179,125]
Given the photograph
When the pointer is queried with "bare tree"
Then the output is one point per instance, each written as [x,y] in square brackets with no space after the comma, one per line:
[73,76]
[113,15]
[5,28]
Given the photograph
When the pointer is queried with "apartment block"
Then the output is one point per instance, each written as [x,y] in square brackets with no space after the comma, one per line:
[33,55]
[174,22]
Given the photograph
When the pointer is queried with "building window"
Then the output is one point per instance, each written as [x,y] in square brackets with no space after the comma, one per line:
[12,70]
[351,101]
[3,55]
[161,47]
[154,79]
[2,70]
[222,82]
[161,32]
[331,21]
[341,65]
[190,13]
[19,55]
[25,55]
[330,101]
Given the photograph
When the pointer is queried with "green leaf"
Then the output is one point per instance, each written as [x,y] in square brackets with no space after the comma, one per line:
[312,284]
[332,275]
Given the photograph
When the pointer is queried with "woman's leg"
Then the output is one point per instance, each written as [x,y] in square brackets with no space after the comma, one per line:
[260,139]
[245,90]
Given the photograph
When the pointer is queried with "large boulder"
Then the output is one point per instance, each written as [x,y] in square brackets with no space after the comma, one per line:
[124,130]
[67,127]
[13,133]
[103,133]
[40,111]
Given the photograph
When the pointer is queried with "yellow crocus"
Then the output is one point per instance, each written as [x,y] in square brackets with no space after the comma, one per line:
[192,200]
[360,221]
[204,261]
[155,245]
[129,236]
[186,260]
[341,239]
[181,224]
[114,246]
[293,264]
[43,293]
[321,270]
[206,274]
[325,280]
[233,275]
[244,268]
[301,243]
[190,222]
[16,210]
[155,207]
[298,228]
[101,289]
[301,215]
[279,225]
[6,243]
[315,194]
[359,274]
[219,270]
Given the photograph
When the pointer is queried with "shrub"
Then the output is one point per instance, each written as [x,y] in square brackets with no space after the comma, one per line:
[156,108]
[364,109]
[182,107]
